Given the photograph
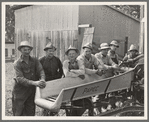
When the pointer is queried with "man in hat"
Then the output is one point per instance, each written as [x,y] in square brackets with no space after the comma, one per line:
[29,75]
[112,52]
[52,67]
[105,60]
[51,64]
[133,56]
[89,61]
[108,67]
[72,68]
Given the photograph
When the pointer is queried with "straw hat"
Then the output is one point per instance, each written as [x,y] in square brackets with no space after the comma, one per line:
[87,45]
[24,44]
[71,48]
[132,47]
[104,46]
[49,46]
[114,43]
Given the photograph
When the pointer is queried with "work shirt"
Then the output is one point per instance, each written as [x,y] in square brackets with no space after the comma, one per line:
[105,60]
[77,69]
[113,56]
[52,67]
[88,65]
[24,72]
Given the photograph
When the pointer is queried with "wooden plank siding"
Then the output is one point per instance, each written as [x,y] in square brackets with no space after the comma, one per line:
[40,24]
[38,39]
[47,18]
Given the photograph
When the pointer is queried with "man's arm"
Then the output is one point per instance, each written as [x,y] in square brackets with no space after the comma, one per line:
[20,77]
[60,68]
[40,70]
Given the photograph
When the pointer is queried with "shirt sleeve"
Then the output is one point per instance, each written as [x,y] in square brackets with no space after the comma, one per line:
[96,62]
[81,70]
[40,70]
[20,77]
[103,66]
[60,68]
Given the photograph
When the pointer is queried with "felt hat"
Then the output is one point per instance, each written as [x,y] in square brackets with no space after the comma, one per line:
[49,46]
[104,46]
[114,43]
[87,45]
[132,47]
[71,48]
[24,44]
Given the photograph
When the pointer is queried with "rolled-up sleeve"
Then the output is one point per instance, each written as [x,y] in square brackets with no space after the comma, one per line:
[40,70]
[20,77]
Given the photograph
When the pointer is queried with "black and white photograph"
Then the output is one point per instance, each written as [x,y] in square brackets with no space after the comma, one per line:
[74,61]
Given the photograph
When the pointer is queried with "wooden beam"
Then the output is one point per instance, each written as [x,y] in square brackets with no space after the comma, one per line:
[85,26]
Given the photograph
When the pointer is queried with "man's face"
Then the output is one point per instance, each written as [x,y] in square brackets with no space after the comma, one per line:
[104,51]
[133,53]
[72,55]
[50,52]
[25,51]
[87,52]
[113,47]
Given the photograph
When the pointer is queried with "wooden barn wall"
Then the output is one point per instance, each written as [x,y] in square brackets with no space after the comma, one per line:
[109,24]
[47,17]
[38,24]
[38,39]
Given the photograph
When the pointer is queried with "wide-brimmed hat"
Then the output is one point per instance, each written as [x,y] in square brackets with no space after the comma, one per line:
[71,48]
[132,47]
[87,45]
[24,44]
[114,43]
[104,46]
[49,46]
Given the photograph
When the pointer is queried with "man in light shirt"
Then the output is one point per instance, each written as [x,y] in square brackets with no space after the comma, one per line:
[105,60]
[71,67]
[88,61]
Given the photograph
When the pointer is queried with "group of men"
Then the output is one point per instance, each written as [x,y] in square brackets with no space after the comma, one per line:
[32,72]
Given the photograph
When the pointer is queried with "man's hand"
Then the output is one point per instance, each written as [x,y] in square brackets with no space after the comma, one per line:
[41,84]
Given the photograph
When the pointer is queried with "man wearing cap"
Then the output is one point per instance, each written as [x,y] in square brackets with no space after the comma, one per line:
[51,64]
[29,74]
[52,67]
[89,61]
[71,66]
[133,56]
[105,60]
[112,52]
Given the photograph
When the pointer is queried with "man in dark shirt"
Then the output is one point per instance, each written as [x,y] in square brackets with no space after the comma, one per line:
[52,66]
[29,75]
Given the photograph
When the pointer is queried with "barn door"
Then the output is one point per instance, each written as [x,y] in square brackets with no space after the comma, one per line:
[123,48]
[88,36]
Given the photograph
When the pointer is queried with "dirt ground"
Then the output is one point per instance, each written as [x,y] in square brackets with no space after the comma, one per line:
[9,75]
